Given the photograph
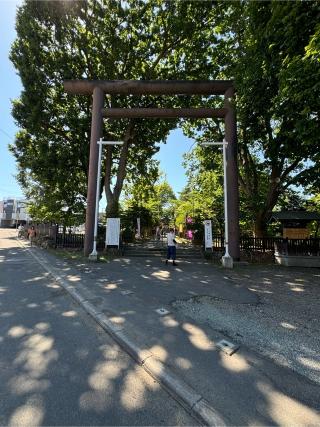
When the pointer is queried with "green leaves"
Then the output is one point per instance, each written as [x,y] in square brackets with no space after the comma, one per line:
[152,192]
[59,40]
[271,49]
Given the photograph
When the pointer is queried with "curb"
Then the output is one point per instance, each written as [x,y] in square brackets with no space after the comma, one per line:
[192,401]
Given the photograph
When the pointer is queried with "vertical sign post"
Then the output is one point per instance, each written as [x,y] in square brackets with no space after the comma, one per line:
[113,232]
[207,234]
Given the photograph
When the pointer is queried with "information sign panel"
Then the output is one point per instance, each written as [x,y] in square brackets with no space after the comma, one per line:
[113,232]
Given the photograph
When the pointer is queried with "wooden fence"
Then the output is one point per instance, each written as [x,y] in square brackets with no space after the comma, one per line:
[307,247]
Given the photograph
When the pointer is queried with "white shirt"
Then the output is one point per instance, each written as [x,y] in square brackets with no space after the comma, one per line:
[170,238]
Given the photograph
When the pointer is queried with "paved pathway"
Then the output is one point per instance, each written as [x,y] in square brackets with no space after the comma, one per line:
[243,389]
[57,366]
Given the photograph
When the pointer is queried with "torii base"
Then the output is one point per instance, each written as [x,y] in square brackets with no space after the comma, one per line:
[93,257]
[227,261]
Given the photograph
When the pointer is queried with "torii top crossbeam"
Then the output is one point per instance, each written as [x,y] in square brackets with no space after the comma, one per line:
[149,87]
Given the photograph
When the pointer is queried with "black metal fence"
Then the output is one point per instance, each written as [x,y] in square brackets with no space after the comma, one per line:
[267,244]
[262,244]
[64,238]
[69,240]
[75,241]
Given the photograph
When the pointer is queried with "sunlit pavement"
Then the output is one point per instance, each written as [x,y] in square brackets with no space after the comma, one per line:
[253,386]
[57,367]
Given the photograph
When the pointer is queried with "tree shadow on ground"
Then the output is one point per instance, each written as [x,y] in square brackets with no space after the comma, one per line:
[245,388]
[153,285]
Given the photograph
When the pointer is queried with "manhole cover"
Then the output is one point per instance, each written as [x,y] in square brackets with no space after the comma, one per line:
[227,347]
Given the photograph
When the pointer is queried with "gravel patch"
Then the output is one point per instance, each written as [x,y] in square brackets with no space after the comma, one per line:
[283,326]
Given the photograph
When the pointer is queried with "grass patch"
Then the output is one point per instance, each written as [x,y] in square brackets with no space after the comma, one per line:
[69,254]
[105,257]
[77,255]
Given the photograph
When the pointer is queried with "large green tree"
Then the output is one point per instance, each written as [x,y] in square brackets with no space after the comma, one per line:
[279,115]
[95,39]
[272,50]
[157,196]
[202,197]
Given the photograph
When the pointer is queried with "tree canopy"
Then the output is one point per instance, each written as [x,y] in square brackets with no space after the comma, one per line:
[59,40]
[271,49]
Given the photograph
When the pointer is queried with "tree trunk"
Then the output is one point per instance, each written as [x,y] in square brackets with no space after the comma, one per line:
[112,197]
[260,226]
[112,209]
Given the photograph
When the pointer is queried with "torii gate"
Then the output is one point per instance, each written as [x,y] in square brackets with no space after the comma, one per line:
[98,88]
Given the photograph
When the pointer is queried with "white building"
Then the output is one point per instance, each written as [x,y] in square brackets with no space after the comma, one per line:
[13,212]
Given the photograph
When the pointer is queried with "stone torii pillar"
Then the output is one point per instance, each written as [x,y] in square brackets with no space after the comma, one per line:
[157,87]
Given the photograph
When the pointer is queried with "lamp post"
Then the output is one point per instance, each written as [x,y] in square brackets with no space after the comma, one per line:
[94,254]
[227,260]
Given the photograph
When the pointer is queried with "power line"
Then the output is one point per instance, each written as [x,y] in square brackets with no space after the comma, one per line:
[6,133]
[191,146]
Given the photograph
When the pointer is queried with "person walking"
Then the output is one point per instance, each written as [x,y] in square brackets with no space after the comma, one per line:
[20,230]
[32,235]
[171,242]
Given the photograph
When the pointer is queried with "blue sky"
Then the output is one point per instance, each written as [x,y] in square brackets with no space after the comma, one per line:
[10,88]
[170,154]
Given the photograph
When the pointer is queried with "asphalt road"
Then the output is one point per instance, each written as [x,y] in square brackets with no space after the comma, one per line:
[57,367]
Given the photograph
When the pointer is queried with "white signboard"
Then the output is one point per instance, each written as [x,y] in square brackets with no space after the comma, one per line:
[113,232]
[207,234]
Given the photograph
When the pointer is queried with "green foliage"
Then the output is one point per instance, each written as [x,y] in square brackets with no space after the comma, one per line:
[271,49]
[58,40]
[48,211]
[139,189]
[156,197]
[202,198]
[129,221]
[278,97]
[161,203]
[313,205]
